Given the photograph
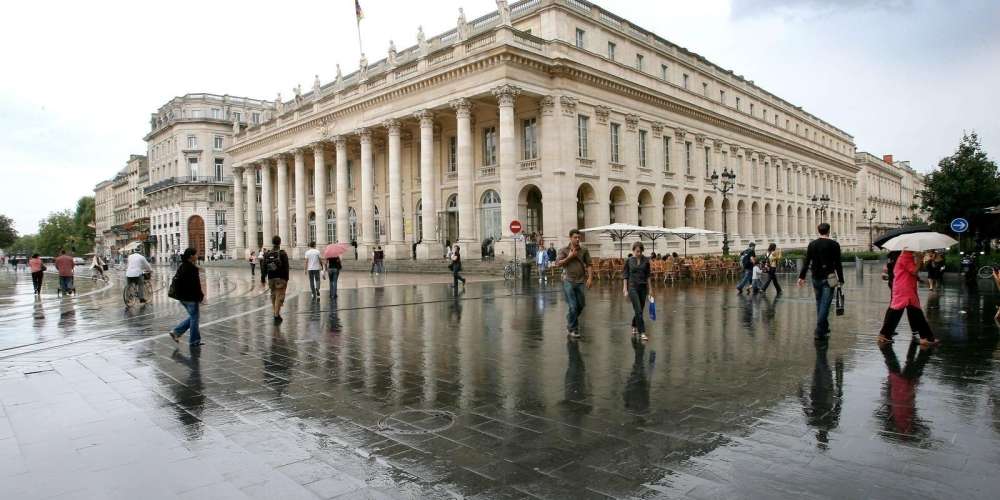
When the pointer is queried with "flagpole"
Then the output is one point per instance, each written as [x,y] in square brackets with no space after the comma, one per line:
[358,14]
[361,50]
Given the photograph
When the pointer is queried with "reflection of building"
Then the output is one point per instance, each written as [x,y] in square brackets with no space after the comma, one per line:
[554,112]
[890,187]
[189,188]
[120,208]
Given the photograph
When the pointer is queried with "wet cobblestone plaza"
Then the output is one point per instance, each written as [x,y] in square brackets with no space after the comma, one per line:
[402,389]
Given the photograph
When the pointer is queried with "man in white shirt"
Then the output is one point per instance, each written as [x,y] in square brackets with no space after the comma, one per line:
[314,267]
[137,265]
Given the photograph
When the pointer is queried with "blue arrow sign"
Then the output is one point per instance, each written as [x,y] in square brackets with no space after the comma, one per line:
[959,225]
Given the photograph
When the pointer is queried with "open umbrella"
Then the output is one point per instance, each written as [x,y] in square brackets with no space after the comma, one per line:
[653,233]
[919,242]
[686,233]
[617,231]
[899,231]
[334,250]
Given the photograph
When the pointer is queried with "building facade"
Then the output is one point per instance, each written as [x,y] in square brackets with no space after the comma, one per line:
[890,188]
[190,185]
[104,201]
[556,113]
[121,217]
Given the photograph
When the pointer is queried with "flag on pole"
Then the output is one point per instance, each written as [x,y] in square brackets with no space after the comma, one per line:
[357,10]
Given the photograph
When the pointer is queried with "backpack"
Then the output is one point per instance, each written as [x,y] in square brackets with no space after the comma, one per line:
[745,260]
[272,261]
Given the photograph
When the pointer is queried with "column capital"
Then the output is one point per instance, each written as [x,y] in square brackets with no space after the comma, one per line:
[462,107]
[602,112]
[546,105]
[298,152]
[280,158]
[364,135]
[631,122]
[734,149]
[318,147]
[238,169]
[392,125]
[506,94]
[657,129]
[340,142]
[568,105]
[700,139]
[425,116]
[718,146]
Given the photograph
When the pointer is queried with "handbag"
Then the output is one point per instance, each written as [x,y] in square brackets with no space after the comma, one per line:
[652,308]
[840,300]
[172,290]
[44,268]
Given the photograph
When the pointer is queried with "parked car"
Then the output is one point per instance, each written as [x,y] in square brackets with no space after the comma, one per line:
[79,261]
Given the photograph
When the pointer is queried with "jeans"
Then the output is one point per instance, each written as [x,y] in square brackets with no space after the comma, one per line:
[914,315]
[191,322]
[575,302]
[252,268]
[824,297]
[140,286]
[747,278]
[278,287]
[638,295]
[772,277]
[333,274]
[263,275]
[65,283]
[314,282]
[456,278]
[36,281]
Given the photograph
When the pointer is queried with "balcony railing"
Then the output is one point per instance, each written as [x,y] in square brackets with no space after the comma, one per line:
[488,171]
[528,165]
[187,180]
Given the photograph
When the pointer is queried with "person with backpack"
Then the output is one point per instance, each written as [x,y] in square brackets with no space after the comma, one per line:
[771,261]
[186,288]
[747,261]
[276,266]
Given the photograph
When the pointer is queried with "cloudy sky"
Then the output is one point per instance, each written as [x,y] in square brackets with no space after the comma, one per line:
[80,78]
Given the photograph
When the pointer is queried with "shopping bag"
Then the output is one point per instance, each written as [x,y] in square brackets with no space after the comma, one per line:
[652,308]
[840,299]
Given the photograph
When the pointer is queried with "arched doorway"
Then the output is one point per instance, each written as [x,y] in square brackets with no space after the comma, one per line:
[352,220]
[196,234]
[529,209]
[312,227]
[451,219]
[586,206]
[670,211]
[709,211]
[418,221]
[616,205]
[741,218]
[690,212]
[379,227]
[768,221]
[645,210]
[490,225]
[755,219]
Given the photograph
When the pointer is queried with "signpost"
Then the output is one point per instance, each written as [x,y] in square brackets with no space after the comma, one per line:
[959,226]
[515,227]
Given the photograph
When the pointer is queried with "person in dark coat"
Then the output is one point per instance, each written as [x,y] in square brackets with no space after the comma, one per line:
[188,292]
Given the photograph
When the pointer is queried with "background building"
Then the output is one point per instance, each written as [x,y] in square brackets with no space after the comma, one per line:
[104,217]
[189,195]
[891,188]
[554,112]
[122,221]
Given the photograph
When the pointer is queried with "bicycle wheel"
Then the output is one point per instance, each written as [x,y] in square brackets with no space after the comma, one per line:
[985,272]
[508,273]
[130,295]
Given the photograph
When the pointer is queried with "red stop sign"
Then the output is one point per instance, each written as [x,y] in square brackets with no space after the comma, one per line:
[515,226]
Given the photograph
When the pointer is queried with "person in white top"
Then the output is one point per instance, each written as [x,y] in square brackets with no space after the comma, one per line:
[263,272]
[314,268]
[135,269]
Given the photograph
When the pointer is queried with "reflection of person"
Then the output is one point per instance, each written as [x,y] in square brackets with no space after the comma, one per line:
[575,383]
[905,298]
[901,390]
[637,386]
[190,395]
[575,262]
[825,399]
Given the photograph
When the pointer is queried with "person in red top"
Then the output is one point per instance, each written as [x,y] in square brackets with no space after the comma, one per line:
[904,297]
[65,265]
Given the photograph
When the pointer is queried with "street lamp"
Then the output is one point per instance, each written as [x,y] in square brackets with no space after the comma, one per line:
[724,184]
[869,215]
[820,203]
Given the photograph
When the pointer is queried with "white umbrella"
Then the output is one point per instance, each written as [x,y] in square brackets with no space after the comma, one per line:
[686,233]
[919,242]
[617,231]
[653,233]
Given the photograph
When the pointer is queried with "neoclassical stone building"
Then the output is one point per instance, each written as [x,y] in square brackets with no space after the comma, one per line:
[190,181]
[553,112]
[891,188]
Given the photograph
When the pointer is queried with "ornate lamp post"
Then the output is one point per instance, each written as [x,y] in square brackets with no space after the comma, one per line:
[724,184]
[869,215]
[820,203]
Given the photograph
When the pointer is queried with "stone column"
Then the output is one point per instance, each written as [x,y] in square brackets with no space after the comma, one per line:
[397,248]
[251,178]
[301,218]
[239,249]
[367,215]
[466,179]
[343,224]
[507,166]
[554,200]
[319,188]
[283,230]
[267,203]
[428,248]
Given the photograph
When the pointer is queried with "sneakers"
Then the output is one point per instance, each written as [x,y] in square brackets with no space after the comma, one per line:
[278,318]
[573,334]
[175,337]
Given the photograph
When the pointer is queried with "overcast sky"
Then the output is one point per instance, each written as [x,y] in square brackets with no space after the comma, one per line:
[81,78]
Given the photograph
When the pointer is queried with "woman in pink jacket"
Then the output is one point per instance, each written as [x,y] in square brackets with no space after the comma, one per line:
[904,297]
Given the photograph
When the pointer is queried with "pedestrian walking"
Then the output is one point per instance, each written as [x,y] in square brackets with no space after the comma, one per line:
[542,260]
[772,259]
[935,270]
[748,259]
[276,265]
[758,273]
[378,261]
[456,267]
[37,272]
[905,298]
[260,260]
[823,260]
[314,269]
[97,266]
[552,252]
[575,263]
[333,267]
[252,259]
[136,268]
[65,266]
[187,290]
[635,286]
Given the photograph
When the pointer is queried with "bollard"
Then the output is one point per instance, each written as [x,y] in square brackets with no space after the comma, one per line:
[859,269]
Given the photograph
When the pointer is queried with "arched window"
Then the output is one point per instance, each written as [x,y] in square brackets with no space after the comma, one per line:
[489,215]
[379,227]
[312,226]
[352,218]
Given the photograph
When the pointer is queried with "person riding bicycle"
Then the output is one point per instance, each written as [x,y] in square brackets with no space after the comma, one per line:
[136,272]
[97,266]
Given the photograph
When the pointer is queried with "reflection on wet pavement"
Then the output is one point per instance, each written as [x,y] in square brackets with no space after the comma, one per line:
[401,388]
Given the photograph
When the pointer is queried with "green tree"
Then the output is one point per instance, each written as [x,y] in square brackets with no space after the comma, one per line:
[84,219]
[964,185]
[58,231]
[24,245]
[7,232]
